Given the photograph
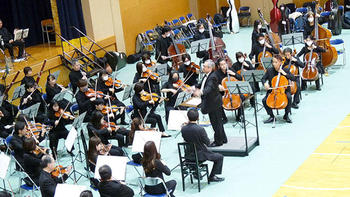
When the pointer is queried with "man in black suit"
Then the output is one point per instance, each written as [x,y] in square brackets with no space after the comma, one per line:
[46,182]
[211,104]
[193,133]
[108,187]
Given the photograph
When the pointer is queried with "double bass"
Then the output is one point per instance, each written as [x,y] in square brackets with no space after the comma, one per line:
[323,37]
[217,46]
[275,16]
[175,52]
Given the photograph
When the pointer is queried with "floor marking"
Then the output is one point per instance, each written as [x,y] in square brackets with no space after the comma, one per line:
[330,154]
[342,141]
[315,188]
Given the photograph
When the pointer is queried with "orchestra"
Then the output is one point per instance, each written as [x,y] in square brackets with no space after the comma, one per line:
[203,74]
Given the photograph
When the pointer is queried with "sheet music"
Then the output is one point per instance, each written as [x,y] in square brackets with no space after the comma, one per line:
[141,137]
[117,164]
[176,119]
[4,164]
[69,142]
[18,34]
[25,33]
[194,101]
[65,190]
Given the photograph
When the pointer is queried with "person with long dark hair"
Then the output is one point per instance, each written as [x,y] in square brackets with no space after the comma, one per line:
[155,167]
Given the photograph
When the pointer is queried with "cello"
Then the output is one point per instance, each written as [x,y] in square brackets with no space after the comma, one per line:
[294,70]
[230,101]
[277,99]
[310,72]
[175,52]
[217,46]
[275,16]
[323,37]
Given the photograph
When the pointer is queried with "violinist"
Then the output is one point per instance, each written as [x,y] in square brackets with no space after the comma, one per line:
[96,148]
[142,76]
[146,60]
[48,183]
[76,74]
[162,45]
[28,76]
[38,129]
[140,109]
[16,143]
[99,127]
[84,102]
[290,59]
[267,81]
[190,70]
[171,92]
[52,88]
[32,97]
[310,44]
[31,161]
[106,88]
[221,73]
[262,43]
[58,122]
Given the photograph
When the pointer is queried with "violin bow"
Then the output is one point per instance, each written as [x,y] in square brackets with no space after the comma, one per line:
[63,111]
[110,106]
[98,76]
[30,129]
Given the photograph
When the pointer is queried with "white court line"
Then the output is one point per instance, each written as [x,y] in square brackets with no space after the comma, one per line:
[343,126]
[315,188]
[330,154]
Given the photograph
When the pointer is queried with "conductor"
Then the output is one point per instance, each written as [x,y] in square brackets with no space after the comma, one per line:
[211,104]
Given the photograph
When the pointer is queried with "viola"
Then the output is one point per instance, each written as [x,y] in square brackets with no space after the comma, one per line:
[111,125]
[110,82]
[193,67]
[277,98]
[58,171]
[180,84]
[92,93]
[145,96]
[65,115]
[113,108]
[150,74]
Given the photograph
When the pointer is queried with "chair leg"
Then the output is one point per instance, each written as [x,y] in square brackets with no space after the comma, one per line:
[183,181]
[42,33]
[199,179]
[206,169]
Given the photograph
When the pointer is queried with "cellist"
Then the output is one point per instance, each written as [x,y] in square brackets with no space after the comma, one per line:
[267,79]
[289,58]
[310,44]
[221,72]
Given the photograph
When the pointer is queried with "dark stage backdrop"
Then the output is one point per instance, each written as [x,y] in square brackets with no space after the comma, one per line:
[25,14]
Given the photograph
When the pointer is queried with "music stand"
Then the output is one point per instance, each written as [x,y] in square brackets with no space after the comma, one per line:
[180,98]
[1,99]
[200,45]
[241,88]
[116,163]
[164,79]
[31,111]
[60,96]
[56,74]
[64,190]
[128,92]
[162,69]
[266,62]
[77,123]
[254,76]
[4,165]
[293,39]
[141,137]
[18,92]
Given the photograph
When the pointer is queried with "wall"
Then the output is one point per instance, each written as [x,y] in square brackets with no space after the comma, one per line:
[142,15]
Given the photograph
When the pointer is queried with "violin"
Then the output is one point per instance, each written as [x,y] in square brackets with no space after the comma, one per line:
[110,82]
[150,74]
[150,64]
[38,150]
[193,67]
[113,108]
[277,98]
[58,171]
[111,125]
[145,96]
[36,129]
[92,93]
[65,115]
[180,84]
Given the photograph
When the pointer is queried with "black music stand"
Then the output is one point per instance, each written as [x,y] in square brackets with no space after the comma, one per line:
[293,39]
[162,69]
[180,99]
[128,92]
[31,111]
[254,76]
[77,124]
[200,45]
[18,92]
[267,62]
[235,146]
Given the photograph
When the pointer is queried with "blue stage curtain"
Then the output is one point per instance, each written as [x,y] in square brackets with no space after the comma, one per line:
[70,14]
[26,14]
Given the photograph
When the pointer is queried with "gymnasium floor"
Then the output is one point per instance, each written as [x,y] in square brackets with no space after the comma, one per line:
[282,149]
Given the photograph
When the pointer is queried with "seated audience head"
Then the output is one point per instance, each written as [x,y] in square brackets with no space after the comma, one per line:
[192,115]
[105,172]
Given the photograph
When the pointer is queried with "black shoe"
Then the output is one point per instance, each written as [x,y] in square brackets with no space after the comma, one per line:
[295,106]
[224,121]
[124,123]
[287,119]
[214,144]
[269,120]
[238,118]
[216,179]
[319,89]
[225,141]
[164,135]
